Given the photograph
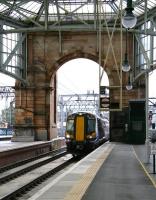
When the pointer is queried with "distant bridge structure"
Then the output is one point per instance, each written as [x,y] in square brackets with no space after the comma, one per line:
[71,103]
[78,102]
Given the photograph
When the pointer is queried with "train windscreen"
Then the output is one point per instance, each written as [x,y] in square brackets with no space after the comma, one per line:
[70,126]
[91,126]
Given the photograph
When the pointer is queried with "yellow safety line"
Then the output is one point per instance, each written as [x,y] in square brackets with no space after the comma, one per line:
[79,189]
[144,168]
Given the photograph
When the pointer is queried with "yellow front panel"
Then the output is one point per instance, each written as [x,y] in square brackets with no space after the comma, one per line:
[80,128]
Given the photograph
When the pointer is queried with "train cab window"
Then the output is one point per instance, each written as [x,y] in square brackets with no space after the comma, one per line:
[91,125]
[70,125]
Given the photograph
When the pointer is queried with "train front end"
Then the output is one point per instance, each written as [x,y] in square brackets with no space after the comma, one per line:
[80,133]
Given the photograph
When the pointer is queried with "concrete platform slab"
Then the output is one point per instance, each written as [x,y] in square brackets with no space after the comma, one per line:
[104,174]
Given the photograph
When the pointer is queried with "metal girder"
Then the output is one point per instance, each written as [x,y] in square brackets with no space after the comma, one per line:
[153,23]
[13,51]
[70,14]
[114,7]
[72,29]
[19,7]
[60,38]
[6,68]
[39,12]
[46,6]
[11,22]
[37,25]
[143,50]
[15,76]
[58,13]
[139,75]
[15,7]
[150,13]
[95,14]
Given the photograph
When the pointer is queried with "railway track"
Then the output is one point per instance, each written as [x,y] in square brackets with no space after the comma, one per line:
[22,162]
[16,181]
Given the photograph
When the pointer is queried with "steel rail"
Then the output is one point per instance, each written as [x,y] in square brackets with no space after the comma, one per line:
[25,169]
[8,167]
[35,181]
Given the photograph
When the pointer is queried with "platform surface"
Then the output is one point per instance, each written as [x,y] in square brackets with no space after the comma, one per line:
[121,177]
[112,172]
[9,145]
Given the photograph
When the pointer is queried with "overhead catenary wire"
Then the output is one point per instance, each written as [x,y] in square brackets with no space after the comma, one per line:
[68,89]
[68,79]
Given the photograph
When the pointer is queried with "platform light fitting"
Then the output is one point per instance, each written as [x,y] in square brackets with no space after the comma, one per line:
[129,85]
[125,65]
[129,20]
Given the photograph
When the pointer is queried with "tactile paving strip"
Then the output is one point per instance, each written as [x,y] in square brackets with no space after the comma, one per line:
[79,189]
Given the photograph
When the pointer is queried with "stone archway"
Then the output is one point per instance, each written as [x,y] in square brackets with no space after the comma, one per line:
[45,56]
[57,65]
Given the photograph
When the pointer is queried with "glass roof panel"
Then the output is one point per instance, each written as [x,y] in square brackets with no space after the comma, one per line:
[65,10]
[2,8]
[31,6]
[53,9]
[14,14]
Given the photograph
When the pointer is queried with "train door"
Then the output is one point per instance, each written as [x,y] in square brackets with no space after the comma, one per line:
[80,124]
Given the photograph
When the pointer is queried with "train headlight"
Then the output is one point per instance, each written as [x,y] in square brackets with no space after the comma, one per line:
[91,136]
[68,136]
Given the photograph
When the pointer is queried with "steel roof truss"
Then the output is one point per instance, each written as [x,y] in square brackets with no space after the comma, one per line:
[14,51]
[40,12]
[15,76]
[46,6]
[20,13]
[71,13]
[142,50]
[95,2]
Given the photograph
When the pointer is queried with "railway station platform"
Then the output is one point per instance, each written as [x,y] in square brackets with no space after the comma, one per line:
[113,171]
[12,152]
[6,137]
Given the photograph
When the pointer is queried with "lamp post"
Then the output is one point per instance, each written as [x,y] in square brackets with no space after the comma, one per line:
[129,20]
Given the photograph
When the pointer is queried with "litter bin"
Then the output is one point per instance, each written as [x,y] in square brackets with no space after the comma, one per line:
[153,125]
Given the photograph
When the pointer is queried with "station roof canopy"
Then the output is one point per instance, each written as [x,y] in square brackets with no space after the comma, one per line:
[38,14]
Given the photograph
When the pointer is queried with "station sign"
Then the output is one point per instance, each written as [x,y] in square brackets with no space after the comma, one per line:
[104,102]
[103,90]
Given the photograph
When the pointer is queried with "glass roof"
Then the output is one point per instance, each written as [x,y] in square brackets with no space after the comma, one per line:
[35,13]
